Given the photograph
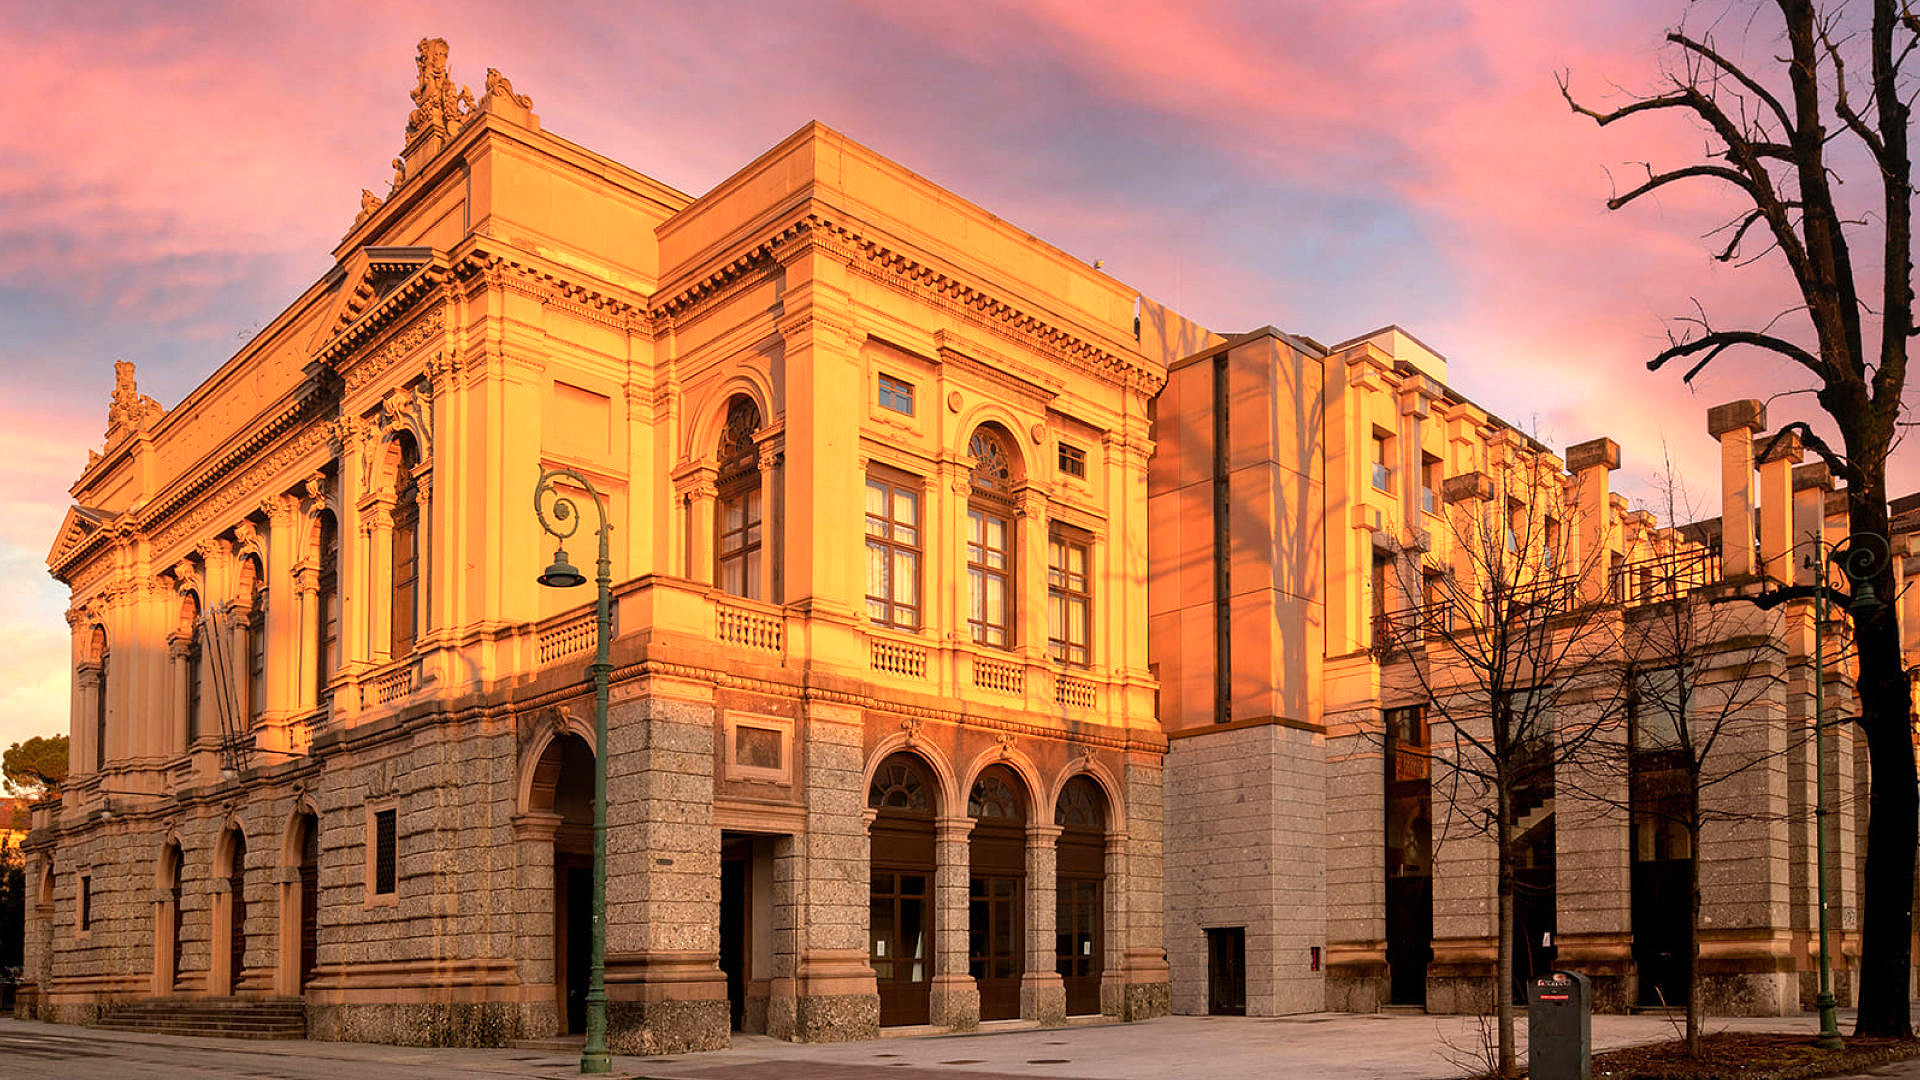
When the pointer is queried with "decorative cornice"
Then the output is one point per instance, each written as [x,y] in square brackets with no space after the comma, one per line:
[586,300]
[905,273]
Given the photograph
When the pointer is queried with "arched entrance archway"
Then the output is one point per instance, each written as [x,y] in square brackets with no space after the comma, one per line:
[996,891]
[166,921]
[299,905]
[563,788]
[900,926]
[1081,873]
[230,913]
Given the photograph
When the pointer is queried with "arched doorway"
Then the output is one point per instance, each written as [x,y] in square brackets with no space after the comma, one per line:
[230,914]
[563,788]
[900,927]
[1080,916]
[996,891]
[166,922]
[308,947]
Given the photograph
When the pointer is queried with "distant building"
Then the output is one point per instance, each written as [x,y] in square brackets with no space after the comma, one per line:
[1097,720]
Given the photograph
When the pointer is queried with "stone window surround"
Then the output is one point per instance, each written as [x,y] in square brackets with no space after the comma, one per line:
[373,808]
[83,903]
[736,770]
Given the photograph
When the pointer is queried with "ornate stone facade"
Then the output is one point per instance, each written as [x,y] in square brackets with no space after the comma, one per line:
[331,740]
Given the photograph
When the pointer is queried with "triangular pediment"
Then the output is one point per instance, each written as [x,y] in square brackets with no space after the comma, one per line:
[79,526]
[367,276]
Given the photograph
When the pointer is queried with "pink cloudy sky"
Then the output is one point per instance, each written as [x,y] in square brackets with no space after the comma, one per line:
[172,174]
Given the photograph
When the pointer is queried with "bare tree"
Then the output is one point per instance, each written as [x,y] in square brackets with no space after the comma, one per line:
[1782,134]
[1517,664]
[1705,723]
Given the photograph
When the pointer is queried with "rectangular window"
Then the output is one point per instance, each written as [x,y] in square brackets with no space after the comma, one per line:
[1069,599]
[739,541]
[989,577]
[406,577]
[1430,484]
[328,601]
[257,656]
[893,551]
[86,901]
[1073,460]
[100,718]
[1382,461]
[896,394]
[196,673]
[385,823]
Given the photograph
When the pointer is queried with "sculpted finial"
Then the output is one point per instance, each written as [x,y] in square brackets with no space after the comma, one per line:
[498,86]
[369,202]
[439,105]
[128,408]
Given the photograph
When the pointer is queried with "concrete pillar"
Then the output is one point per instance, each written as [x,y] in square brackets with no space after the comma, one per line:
[1811,483]
[955,998]
[1043,996]
[1776,505]
[1734,424]
[1592,464]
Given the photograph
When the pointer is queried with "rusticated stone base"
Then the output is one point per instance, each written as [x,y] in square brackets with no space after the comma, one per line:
[668,1027]
[1469,995]
[1757,993]
[1044,1000]
[1144,1001]
[837,1018]
[431,1023]
[1356,992]
[954,1003]
[84,1014]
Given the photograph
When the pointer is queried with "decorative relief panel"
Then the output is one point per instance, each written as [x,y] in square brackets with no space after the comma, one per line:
[759,748]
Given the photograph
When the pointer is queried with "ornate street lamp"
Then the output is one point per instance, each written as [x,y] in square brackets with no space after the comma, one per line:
[1860,557]
[561,519]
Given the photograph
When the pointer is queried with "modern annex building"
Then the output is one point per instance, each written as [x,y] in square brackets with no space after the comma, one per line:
[1092,722]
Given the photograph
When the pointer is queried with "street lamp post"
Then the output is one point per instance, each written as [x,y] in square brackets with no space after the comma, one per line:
[561,519]
[1860,557]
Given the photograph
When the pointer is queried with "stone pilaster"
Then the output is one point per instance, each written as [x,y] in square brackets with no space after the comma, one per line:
[955,998]
[1043,996]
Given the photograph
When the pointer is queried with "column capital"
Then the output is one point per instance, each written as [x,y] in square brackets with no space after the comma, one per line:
[1042,835]
[952,828]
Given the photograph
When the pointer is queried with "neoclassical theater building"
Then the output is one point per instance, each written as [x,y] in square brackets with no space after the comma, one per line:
[1093,721]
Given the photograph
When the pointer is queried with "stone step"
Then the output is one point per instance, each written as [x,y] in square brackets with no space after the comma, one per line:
[231,1018]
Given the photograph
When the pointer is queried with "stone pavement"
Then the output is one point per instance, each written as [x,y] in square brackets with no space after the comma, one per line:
[1322,1046]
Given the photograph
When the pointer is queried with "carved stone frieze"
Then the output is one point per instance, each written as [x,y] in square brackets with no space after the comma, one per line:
[248,485]
[429,325]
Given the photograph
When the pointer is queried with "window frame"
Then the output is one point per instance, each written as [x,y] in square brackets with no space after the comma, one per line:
[83,904]
[1061,595]
[894,392]
[404,634]
[1070,459]
[327,605]
[896,483]
[376,809]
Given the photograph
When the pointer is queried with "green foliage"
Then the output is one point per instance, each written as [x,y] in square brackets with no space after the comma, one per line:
[35,767]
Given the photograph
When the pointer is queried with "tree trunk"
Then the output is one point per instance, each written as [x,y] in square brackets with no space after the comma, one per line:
[1893,824]
[1695,998]
[1503,952]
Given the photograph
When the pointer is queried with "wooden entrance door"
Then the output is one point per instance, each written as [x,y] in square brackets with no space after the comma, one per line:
[900,913]
[237,892]
[1080,910]
[901,937]
[1227,971]
[995,952]
[309,901]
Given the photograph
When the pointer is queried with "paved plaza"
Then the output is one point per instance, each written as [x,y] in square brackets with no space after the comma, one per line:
[1320,1046]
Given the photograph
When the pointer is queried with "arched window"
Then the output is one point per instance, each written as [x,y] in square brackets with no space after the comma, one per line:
[406,551]
[993,797]
[738,527]
[196,668]
[255,580]
[327,604]
[990,551]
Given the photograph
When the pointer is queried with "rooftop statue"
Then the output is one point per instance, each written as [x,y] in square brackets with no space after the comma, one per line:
[439,106]
[128,409]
